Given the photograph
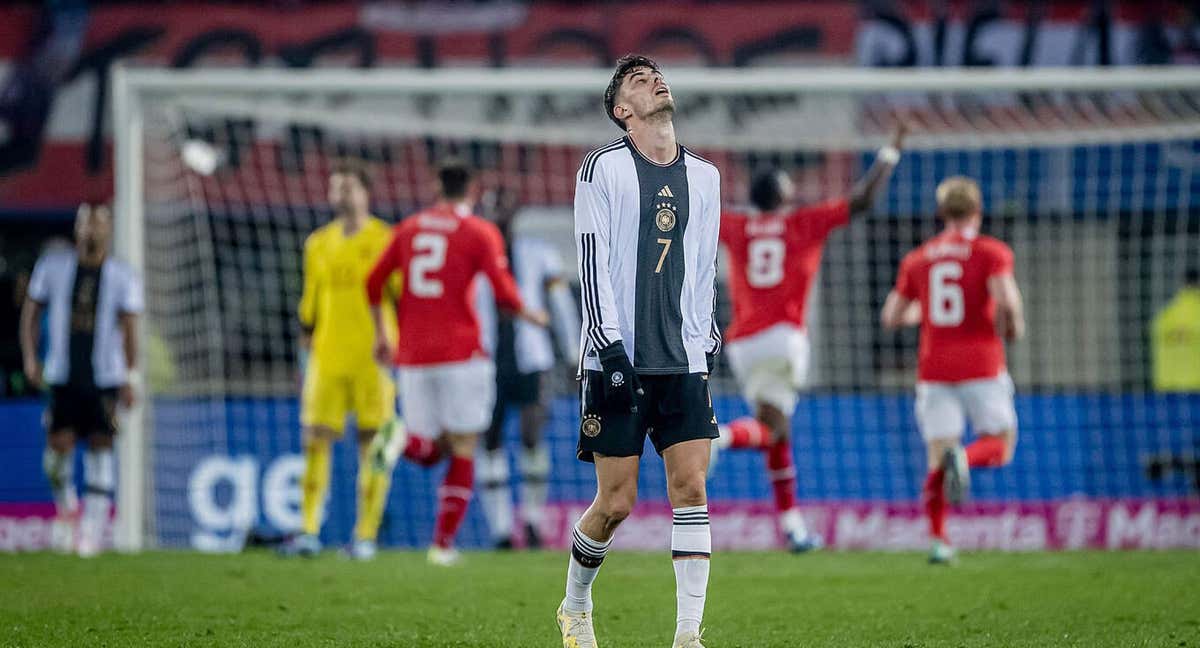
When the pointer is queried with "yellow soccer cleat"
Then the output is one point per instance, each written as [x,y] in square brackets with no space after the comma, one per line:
[576,628]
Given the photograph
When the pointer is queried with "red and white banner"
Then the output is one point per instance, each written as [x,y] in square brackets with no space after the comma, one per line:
[54,151]
[25,526]
[1018,526]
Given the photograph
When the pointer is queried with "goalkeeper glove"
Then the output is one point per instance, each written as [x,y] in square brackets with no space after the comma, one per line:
[621,385]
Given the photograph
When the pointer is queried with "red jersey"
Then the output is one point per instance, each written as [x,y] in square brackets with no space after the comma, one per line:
[948,275]
[773,259]
[439,252]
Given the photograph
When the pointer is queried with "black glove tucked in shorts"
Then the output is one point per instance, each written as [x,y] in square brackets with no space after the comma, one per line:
[621,385]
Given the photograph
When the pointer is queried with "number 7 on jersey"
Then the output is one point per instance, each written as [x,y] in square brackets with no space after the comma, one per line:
[666,243]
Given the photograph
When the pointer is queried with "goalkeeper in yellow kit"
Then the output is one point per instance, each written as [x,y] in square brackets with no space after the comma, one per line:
[340,376]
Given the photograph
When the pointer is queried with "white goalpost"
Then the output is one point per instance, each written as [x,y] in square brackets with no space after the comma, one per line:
[1090,174]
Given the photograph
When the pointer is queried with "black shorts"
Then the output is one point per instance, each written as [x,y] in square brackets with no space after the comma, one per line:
[673,409]
[84,410]
[515,388]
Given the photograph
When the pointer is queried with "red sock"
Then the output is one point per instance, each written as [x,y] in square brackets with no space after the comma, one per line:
[749,432]
[422,451]
[986,452]
[453,497]
[934,499]
[782,474]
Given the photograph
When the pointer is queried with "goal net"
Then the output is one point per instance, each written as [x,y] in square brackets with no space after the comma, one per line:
[1091,176]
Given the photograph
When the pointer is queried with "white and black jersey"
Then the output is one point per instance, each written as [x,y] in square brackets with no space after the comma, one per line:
[647,242]
[84,305]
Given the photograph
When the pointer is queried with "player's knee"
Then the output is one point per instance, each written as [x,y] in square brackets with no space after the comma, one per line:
[317,434]
[61,441]
[687,488]
[100,441]
[462,445]
[936,449]
[616,505]
[775,420]
[1010,447]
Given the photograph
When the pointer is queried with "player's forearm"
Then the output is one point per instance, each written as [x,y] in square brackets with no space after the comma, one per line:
[1016,326]
[896,312]
[865,192]
[129,339]
[377,320]
[30,335]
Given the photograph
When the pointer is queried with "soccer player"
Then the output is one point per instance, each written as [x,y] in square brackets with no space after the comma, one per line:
[647,211]
[959,288]
[446,380]
[91,366]
[524,353]
[341,376]
[774,253]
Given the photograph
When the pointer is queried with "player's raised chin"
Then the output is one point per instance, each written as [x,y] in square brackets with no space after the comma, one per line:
[644,94]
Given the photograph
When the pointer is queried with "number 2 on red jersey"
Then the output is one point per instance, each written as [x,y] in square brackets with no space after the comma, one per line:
[429,256]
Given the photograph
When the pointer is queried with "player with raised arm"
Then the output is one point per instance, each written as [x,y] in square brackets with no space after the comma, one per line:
[340,376]
[647,213]
[774,253]
[446,380]
[959,288]
[93,301]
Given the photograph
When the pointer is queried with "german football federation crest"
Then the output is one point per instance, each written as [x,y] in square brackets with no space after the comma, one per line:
[665,218]
[591,426]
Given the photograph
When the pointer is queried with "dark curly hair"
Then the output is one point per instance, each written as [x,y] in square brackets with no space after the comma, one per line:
[766,192]
[624,65]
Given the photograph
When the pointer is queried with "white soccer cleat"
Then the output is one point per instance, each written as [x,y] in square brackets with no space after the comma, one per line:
[89,547]
[576,628]
[957,475]
[688,639]
[387,445]
[443,557]
[91,538]
[62,534]
[942,554]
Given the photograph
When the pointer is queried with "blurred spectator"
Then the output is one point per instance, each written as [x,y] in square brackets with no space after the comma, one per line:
[1176,339]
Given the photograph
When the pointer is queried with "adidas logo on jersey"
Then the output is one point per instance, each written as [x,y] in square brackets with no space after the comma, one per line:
[666,192]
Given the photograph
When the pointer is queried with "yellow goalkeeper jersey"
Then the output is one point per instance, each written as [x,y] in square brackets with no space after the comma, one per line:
[334,302]
[1176,340]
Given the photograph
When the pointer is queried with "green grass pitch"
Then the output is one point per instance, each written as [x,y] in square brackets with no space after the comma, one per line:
[755,600]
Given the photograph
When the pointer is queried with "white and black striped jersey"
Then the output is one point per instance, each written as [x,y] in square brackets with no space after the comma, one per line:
[536,265]
[647,242]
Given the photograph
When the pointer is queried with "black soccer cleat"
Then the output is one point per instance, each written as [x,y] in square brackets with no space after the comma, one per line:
[533,539]
[957,475]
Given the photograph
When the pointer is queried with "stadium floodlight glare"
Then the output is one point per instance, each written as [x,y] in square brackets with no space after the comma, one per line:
[1087,173]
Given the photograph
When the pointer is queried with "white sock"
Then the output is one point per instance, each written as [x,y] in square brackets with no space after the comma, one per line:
[495,492]
[99,476]
[60,470]
[535,473]
[691,547]
[586,556]
[792,523]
